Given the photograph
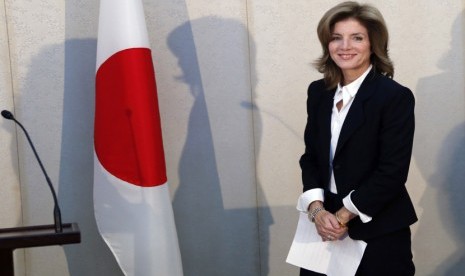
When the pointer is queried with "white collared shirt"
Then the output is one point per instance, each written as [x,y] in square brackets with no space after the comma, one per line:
[337,121]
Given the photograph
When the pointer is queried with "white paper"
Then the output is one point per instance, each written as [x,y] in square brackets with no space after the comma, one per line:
[333,258]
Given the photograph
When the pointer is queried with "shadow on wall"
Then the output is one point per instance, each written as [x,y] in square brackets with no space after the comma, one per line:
[41,90]
[75,193]
[440,154]
[215,240]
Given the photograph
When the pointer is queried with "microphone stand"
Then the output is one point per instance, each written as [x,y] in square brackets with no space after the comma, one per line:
[34,236]
[56,210]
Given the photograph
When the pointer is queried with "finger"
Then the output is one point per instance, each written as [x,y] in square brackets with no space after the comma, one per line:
[328,236]
[342,234]
[324,231]
[331,221]
[323,226]
[325,235]
[328,221]
[335,224]
[325,239]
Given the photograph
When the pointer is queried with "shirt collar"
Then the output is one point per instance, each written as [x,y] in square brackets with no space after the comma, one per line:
[353,87]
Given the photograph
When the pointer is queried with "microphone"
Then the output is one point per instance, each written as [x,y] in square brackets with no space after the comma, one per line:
[56,210]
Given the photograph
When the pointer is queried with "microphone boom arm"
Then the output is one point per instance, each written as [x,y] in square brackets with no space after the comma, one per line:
[56,209]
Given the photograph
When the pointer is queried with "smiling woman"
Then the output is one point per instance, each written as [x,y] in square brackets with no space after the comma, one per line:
[350,49]
[372,21]
[358,140]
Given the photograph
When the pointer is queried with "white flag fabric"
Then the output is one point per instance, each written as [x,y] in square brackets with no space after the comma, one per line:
[131,198]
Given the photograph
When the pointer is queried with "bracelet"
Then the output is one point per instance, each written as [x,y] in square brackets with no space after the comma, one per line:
[314,212]
[339,221]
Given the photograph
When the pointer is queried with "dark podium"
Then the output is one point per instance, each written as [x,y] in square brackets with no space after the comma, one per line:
[39,235]
[33,236]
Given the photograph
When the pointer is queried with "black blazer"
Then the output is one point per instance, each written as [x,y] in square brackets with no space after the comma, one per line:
[372,155]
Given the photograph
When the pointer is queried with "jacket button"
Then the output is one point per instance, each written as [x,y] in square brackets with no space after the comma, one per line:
[337,167]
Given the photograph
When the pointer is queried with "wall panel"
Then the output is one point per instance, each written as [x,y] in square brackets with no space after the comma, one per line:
[35,32]
[282,31]
[201,55]
[10,191]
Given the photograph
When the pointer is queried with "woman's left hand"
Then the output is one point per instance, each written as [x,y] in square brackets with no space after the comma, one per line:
[328,227]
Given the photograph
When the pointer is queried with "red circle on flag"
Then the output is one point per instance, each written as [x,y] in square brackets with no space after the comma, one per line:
[127,136]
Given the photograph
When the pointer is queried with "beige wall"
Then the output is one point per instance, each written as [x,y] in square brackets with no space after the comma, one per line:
[232,77]
[10,191]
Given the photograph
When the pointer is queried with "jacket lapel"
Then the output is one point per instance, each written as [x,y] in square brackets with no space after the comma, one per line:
[324,116]
[356,116]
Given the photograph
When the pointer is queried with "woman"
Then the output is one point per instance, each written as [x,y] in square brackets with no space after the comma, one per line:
[358,139]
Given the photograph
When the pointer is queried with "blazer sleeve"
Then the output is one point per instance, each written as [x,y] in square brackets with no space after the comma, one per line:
[395,139]
[308,161]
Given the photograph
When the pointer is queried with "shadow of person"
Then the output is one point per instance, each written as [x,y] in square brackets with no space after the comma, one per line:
[265,218]
[450,176]
[439,152]
[218,155]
